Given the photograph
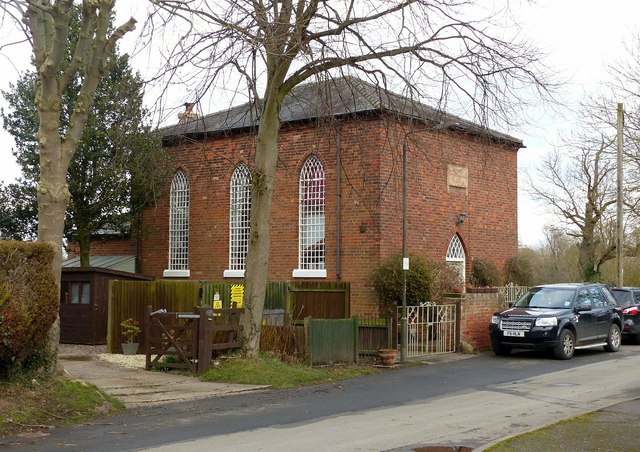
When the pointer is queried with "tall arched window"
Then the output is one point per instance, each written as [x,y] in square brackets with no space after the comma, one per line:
[311,215]
[239,210]
[179,227]
[456,258]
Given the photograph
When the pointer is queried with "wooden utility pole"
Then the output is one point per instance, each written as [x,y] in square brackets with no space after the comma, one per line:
[620,244]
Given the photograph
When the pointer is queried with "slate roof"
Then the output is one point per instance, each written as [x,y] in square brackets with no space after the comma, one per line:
[335,97]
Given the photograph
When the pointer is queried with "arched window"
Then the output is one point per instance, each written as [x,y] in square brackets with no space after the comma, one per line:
[311,215]
[239,210]
[456,258]
[179,227]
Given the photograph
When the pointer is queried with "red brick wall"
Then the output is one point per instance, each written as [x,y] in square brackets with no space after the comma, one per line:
[371,200]
[105,247]
[476,312]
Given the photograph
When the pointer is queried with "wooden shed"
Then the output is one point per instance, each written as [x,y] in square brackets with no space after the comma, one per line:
[84,299]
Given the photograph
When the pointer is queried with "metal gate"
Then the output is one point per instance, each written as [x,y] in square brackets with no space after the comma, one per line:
[431,329]
[511,292]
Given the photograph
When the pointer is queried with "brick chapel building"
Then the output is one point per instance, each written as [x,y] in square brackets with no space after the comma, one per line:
[337,202]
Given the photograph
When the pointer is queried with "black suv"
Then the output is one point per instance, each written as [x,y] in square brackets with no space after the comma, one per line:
[561,318]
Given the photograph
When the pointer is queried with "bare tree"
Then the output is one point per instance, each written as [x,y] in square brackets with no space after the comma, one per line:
[432,47]
[46,27]
[580,188]
[599,114]
[555,260]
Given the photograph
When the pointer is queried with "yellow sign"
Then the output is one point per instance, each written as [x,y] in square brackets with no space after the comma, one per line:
[237,294]
[217,304]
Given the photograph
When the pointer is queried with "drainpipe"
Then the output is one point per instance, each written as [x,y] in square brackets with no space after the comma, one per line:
[339,201]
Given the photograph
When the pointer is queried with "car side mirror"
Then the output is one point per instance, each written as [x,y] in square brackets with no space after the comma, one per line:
[584,306]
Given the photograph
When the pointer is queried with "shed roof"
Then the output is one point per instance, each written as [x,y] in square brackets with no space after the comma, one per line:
[124,263]
[335,97]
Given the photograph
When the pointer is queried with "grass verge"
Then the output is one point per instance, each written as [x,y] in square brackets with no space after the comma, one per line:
[269,370]
[27,407]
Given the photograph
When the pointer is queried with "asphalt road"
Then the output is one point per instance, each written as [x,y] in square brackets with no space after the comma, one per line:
[465,402]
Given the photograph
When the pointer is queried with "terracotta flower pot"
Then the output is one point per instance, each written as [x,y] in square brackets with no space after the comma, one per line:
[387,356]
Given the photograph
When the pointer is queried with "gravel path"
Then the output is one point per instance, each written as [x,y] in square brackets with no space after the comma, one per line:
[74,351]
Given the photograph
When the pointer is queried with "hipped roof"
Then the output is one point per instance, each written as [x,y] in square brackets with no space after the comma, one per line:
[339,97]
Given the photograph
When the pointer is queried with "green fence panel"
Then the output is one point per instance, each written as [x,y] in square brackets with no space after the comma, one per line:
[210,288]
[276,295]
[332,340]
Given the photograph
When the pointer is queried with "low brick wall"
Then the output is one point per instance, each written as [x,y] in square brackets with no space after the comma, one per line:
[475,315]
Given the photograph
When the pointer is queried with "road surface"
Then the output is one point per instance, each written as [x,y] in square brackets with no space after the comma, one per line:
[468,402]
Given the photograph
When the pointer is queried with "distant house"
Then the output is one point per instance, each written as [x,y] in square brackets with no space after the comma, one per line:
[337,203]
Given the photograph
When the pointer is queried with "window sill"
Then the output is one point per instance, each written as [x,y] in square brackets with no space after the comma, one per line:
[299,273]
[233,274]
[176,273]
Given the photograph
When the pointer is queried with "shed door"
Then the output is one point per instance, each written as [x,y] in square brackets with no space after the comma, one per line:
[77,314]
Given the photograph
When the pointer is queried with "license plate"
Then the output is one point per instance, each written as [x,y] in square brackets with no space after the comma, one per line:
[513,333]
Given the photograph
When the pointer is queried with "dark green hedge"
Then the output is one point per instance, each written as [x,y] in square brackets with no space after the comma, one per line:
[29,302]
[387,280]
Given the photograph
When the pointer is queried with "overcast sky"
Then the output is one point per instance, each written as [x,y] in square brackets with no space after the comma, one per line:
[581,37]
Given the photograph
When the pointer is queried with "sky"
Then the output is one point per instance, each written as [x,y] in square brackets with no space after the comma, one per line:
[582,39]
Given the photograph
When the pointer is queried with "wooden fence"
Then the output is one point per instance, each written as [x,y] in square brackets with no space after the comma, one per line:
[284,301]
[318,300]
[374,333]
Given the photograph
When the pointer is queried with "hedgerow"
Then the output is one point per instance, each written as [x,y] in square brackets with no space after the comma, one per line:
[29,302]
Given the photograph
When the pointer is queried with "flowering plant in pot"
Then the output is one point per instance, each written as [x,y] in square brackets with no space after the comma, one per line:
[130,330]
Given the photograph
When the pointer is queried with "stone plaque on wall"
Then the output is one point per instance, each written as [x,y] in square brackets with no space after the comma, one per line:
[458,176]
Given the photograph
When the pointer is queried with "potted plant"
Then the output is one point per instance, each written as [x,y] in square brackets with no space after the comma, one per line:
[130,331]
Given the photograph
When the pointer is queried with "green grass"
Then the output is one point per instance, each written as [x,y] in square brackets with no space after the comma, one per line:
[269,370]
[34,405]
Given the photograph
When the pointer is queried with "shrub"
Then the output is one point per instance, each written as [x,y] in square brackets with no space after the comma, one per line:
[444,279]
[387,282]
[29,302]
[130,330]
[518,270]
[484,273]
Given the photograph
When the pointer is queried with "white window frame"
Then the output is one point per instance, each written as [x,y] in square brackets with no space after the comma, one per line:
[311,221]
[456,257]
[239,221]
[178,227]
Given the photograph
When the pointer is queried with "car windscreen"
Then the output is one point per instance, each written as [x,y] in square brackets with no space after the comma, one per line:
[546,297]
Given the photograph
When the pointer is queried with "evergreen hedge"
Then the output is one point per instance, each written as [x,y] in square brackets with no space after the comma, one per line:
[29,303]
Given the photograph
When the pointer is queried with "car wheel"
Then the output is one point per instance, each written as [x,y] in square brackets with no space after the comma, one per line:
[613,340]
[636,338]
[566,345]
[500,349]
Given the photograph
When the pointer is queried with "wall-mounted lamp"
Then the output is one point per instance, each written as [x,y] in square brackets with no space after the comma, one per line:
[461,216]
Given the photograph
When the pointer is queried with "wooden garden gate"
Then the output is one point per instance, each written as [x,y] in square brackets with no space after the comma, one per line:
[189,340]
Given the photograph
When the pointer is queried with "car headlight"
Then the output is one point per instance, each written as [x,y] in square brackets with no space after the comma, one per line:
[495,319]
[547,321]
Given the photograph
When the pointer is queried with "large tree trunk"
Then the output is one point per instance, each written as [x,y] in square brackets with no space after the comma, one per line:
[53,197]
[260,236]
[49,27]
[587,257]
[84,243]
